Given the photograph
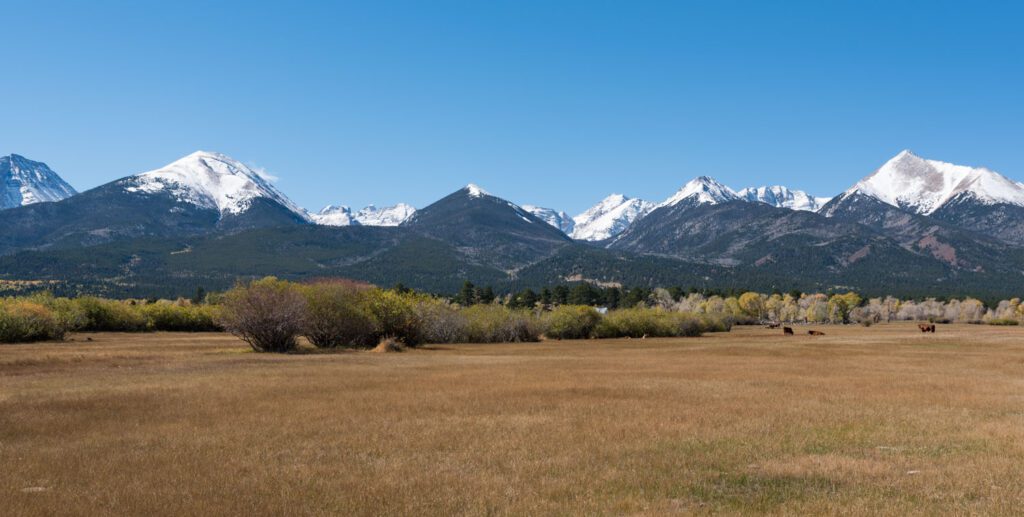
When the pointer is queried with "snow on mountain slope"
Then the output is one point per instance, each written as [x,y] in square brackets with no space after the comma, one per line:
[704,190]
[609,217]
[211,180]
[475,191]
[334,215]
[923,186]
[386,216]
[558,219]
[783,197]
[24,182]
[340,215]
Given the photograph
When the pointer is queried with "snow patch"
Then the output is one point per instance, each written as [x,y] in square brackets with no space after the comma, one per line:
[609,217]
[704,190]
[213,181]
[783,197]
[923,186]
[475,191]
[558,219]
[25,182]
[340,215]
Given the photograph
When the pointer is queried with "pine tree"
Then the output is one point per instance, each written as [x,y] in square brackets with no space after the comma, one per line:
[545,296]
[612,297]
[486,295]
[561,294]
[467,295]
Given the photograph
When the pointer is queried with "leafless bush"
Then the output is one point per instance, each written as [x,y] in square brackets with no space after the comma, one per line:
[268,314]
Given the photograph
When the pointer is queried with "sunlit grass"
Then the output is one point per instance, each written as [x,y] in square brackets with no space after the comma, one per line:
[863,420]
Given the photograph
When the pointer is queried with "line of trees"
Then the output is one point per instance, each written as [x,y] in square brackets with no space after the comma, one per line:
[272,314]
[345,313]
[751,307]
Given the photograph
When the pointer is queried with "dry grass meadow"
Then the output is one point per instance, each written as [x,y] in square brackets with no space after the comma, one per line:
[880,420]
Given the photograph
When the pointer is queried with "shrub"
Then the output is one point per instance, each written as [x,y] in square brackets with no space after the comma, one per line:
[499,324]
[338,315]
[180,316]
[1004,321]
[68,313]
[441,321]
[24,321]
[396,316]
[716,322]
[111,315]
[571,322]
[267,314]
[639,322]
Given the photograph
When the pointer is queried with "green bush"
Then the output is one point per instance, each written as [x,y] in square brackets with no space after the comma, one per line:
[180,316]
[111,315]
[339,315]
[396,316]
[69,313]
[656,322]
[571,322]
[23,321]
[716,322]
[499,324]
[1004,322]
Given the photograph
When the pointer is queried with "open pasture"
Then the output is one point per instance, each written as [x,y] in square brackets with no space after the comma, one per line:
[879,420]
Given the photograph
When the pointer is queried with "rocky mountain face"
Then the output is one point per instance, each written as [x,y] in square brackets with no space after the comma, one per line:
[25,182]
[488,229]
[558,219]
[783,197]
[609,217]
[340,215]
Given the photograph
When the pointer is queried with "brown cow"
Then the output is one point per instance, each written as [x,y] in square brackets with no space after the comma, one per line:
[773,325]
[815,332]
[786,331]
[926,327]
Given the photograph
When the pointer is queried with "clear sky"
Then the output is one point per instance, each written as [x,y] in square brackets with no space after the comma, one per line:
[549,102]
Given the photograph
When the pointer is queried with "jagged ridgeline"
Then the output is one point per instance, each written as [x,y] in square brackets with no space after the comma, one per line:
[914,227]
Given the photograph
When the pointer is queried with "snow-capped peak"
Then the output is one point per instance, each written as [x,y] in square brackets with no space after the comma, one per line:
[923,186]
[24,182]
[558,219]
[341,215]
[211,180]
[475,190]
[783,197]
[703,190]
[334,215]
[385,216]
[609,217]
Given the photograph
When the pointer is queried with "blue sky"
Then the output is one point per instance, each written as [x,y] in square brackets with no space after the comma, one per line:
[550,103]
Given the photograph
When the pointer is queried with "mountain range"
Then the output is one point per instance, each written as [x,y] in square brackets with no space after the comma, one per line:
[913,227]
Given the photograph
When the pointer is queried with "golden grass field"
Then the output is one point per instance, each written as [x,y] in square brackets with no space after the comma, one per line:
[880,420]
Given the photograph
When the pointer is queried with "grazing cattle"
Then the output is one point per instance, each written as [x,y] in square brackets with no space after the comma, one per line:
[773,325]
[926,327]
[815,332]
[786,331]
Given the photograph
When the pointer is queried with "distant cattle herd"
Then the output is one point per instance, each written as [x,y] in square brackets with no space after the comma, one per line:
[788,331]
